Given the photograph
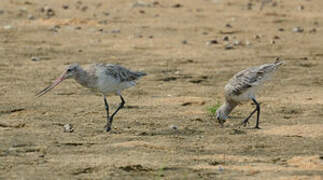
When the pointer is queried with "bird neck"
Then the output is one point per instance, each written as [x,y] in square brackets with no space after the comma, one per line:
[227,107]
[83,78]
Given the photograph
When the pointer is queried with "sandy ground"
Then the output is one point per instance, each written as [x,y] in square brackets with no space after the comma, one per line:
[170,40]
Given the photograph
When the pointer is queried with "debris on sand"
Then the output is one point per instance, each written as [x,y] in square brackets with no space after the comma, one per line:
[136,167]
[68,128]
[34,58]
[211,42]
[298,29]
[177,6]
[48,11]
[228,47]
[225,38]
[174,127]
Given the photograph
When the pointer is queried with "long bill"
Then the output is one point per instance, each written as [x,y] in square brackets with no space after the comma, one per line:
[54,84]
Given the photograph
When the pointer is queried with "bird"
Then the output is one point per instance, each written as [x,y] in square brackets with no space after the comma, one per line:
[242,87]
[108,79]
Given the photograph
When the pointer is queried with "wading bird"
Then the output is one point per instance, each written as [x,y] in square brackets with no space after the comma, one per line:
[242,87]
[104,78]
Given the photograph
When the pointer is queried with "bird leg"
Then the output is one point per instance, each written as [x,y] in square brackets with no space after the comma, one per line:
[106,107]
[258,113]
[109,123]
[244,122]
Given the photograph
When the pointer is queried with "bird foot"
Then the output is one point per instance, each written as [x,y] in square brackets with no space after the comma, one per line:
[107,128]
[244,123]
[257,127]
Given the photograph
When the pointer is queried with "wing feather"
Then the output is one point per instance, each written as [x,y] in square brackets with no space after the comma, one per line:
[250,77]
[121,73]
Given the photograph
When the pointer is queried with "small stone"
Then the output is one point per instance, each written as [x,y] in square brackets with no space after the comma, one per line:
[65,7]
[237,43]
[276,37]
[78,28]
[34,58]
[211,42]
[50,12]
[184,42]
[106,13]
[101,29]
[228,26]
[281,29]
[248,43]
[272,42]
[141,11]
[55,28]
[226,38]
[68,128]
[313,30]
[298,29]
[301,8]
[103,22]
[84,8]
[139,36]
[141,4]
[115,31]
[205,33]
[174,127]
[1,11]
[31,17]
[177,6]
[249,5]
[151,37]
[257,36]
[228,47]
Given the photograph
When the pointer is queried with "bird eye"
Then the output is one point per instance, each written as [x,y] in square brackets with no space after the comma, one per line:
[69,70]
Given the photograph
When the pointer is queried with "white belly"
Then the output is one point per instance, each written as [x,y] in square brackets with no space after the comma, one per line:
[109,85]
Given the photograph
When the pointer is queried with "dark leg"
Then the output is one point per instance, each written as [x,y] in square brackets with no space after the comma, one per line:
[107,108]
[258,113]
[245,122]
[108,127]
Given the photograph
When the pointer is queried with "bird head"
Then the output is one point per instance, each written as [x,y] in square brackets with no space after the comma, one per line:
[221,116]
[70,72]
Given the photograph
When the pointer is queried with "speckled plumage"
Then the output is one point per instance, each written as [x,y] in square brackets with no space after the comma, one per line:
[243,87]
[105,78]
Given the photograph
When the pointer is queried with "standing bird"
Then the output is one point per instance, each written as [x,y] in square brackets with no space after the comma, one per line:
[242,87]
[104,78]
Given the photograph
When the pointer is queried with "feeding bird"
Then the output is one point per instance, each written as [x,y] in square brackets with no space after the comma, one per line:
[104,78]
[242,87]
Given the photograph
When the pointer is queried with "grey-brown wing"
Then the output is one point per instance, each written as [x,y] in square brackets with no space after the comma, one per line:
[121,73]
[252,76]
[244,80]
